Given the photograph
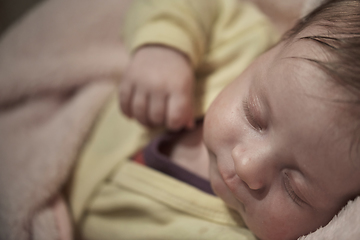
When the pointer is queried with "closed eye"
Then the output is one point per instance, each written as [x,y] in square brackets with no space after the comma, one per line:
[290,191]
[249,116]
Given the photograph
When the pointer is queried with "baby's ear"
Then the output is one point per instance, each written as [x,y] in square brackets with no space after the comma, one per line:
[310,5]
[344,226]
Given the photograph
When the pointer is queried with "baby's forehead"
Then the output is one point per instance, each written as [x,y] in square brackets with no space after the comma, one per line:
[301,58]
[311,61]
[306,44]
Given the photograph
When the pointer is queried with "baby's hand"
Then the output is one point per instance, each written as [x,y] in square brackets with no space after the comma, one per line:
[157,88]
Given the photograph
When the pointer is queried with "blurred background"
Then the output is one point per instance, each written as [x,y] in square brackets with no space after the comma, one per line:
[11,10]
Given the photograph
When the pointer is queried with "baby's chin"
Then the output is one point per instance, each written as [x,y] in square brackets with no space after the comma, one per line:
[271,232]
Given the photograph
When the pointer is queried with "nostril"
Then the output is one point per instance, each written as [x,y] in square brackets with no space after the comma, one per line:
[248,171]
[255,185]
[257,193]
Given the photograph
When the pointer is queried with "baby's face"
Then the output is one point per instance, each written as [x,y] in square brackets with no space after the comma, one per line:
[279,144]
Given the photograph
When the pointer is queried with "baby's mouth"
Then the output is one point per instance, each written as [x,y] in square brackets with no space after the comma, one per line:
[228,176]
[233,182]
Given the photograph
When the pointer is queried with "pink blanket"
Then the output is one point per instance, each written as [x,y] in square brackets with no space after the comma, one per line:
[57,67]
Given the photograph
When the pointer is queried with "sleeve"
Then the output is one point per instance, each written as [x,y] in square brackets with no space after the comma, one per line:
[197,27]
[185,25]
[220,37]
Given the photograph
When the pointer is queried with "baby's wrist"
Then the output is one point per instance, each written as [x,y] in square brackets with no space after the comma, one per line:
[164,48]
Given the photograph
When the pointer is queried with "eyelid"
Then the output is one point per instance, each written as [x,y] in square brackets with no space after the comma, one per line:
[290,190]
[250,116]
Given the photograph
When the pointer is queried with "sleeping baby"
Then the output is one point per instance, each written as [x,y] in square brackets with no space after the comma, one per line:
[272,153]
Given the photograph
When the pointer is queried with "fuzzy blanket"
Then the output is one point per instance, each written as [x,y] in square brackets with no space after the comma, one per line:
[57,66]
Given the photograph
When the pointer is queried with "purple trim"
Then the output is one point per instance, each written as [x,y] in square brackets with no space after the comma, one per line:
[159,161]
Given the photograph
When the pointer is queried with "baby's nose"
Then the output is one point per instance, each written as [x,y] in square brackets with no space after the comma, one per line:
[251,168]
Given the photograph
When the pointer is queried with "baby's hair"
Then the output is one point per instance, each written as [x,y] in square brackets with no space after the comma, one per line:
[341,19]
[341,40]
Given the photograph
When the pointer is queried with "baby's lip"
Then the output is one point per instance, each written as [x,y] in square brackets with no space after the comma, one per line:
[233,182]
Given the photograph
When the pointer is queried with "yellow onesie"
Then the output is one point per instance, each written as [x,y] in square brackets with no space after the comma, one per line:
[113,198]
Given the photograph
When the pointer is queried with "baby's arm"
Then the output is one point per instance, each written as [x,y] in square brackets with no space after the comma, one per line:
[167,40]
[157,88]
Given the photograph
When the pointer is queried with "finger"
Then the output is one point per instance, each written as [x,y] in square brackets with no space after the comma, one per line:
[139,107]
[126,94]
[157,108]
[178,112]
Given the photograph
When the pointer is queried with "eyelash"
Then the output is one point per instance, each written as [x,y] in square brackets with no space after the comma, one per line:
[249,116]
[291,192]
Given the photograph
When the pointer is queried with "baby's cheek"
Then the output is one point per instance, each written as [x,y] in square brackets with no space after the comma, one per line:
[217,184]
[275,222]
[272,231]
